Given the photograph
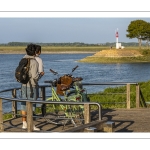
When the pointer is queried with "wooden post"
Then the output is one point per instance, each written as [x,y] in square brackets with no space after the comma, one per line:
[137,96]
[29,116]
[87,116]
[128,96]
[14,104]
[1,116]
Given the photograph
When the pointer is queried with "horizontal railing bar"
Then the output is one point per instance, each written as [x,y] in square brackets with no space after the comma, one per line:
[44,101]
[111,83]
[113,102]
[102,83]
[106,93]
[57,102]
[7,90]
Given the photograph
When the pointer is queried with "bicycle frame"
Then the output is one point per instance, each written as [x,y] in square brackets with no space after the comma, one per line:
[74,92]
[75,97]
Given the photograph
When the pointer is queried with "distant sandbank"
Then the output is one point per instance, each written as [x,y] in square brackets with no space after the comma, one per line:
[48,52]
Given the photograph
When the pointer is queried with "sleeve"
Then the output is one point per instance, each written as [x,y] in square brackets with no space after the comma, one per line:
[41,68]
[34,70]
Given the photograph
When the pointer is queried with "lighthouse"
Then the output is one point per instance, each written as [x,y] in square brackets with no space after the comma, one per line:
[117,35]
[118,45]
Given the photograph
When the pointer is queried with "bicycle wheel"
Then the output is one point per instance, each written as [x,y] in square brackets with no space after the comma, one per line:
[79,117]
[75,112]
[54,115]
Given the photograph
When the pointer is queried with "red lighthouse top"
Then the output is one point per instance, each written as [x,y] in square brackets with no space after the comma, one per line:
[117,35]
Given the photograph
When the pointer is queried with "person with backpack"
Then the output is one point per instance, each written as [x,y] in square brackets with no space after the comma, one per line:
[39,60]
[30,89]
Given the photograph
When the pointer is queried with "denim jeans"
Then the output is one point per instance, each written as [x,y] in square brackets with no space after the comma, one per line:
[26,95]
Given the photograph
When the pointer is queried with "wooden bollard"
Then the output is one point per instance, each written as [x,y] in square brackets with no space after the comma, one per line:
[29,116]
[87,116]
[109,126]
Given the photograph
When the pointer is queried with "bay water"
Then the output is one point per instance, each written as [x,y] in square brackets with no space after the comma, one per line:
[63,64]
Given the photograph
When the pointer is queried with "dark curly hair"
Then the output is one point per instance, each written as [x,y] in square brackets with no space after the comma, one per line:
[38,49]
[30,50]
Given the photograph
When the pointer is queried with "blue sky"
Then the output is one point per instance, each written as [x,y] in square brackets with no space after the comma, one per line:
[65,29]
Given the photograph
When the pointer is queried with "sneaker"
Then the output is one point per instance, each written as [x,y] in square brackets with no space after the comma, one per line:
[36,129]
[24,125]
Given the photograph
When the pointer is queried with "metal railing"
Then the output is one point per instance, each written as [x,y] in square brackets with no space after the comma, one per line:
[30,110]
[128,92]
[43,98]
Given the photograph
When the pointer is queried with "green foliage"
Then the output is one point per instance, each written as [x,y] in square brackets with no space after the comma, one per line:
[146,52]
[115,97]
[7,116]
[136,29]
[139,29]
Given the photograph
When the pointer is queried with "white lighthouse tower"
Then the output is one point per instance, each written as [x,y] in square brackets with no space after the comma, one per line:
[118,45]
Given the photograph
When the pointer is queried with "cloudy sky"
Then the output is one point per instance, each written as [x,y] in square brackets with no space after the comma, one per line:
[86,30]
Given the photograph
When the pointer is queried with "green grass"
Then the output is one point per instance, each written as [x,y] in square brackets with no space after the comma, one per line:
[116,97]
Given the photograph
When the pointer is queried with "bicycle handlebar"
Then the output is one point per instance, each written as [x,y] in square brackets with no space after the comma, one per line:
[74,68]
[54,72]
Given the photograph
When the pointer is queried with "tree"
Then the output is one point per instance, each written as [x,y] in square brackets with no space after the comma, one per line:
[147,34]
[137,29]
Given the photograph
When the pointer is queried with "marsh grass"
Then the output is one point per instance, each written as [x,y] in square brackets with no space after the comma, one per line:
[21,49]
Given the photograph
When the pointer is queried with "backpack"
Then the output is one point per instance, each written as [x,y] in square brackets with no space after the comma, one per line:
[22,71]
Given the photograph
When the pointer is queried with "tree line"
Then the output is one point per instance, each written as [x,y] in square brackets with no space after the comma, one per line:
[75,44]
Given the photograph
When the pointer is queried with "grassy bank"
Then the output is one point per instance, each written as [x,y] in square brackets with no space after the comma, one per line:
[99,59]
[116,97]
[56,49]
[116,60]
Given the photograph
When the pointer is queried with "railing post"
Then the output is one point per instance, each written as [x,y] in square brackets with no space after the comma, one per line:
[128,96]
[43,93]
[1,116]
[29,116]
[137,96]
[14,104]
[87,116]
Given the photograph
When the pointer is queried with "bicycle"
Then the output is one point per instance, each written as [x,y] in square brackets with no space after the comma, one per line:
[65,88]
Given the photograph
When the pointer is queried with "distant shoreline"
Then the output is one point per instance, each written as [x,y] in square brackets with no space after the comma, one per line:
[47,52]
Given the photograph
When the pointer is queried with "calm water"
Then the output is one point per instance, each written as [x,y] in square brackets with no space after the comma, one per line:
[63,63]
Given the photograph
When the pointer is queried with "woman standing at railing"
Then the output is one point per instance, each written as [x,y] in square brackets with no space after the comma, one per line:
[30,90]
